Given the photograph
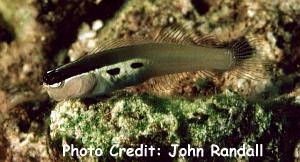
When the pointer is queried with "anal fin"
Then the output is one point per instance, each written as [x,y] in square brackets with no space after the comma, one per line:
[183,84]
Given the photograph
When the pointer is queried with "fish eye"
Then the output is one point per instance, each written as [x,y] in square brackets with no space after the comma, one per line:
[53,77]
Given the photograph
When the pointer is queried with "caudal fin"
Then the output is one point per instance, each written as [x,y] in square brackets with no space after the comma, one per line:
[248,62]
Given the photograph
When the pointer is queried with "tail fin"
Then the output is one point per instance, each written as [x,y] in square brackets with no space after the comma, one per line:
[248,63]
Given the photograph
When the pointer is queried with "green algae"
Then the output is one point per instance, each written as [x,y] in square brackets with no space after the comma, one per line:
[131,120]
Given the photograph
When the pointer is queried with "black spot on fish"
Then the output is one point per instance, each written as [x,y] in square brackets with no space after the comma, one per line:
[136,65]
[114,71]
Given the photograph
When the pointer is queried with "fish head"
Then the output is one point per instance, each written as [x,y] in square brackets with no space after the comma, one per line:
[73,87]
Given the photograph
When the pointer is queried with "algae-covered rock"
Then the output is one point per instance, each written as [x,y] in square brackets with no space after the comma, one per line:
[133,120]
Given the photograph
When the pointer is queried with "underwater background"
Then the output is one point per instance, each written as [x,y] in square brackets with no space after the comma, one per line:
[37,35]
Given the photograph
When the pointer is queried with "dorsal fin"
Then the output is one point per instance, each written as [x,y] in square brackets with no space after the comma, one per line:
[173,34]
[206,40]
[120,43]
[170,34]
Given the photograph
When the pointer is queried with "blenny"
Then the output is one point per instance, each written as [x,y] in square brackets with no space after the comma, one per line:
[132,61]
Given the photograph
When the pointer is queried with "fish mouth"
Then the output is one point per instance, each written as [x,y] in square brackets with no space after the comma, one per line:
[55,85]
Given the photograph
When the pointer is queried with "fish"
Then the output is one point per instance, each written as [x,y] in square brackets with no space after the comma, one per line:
[172,53]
